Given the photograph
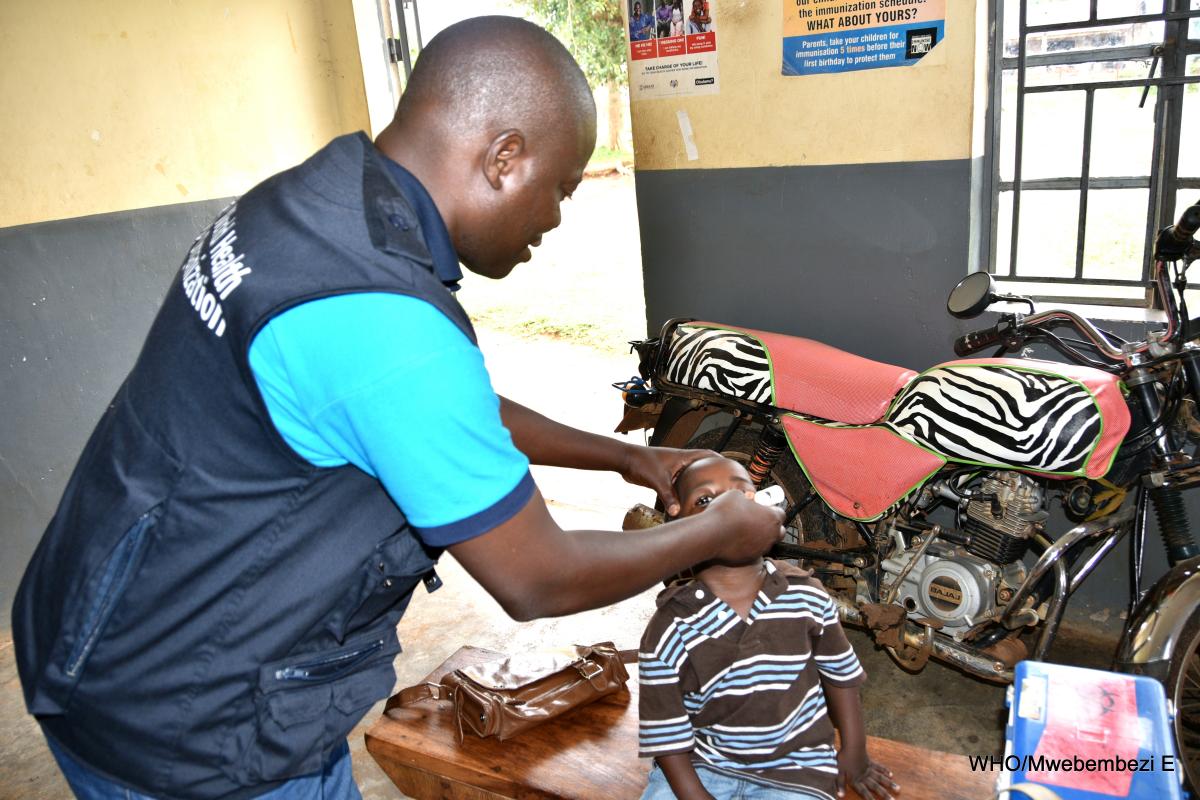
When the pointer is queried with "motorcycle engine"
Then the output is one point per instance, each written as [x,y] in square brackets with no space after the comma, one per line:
[1005,516]
[961,585]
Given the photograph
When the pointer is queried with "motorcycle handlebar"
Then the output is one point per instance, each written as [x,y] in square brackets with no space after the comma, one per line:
[975,341]
[1188,224]
[1175,241]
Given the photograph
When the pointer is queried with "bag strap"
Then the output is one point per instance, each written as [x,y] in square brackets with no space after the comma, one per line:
[1033,791]
[458,715]
[628,656]
[426,691]
[413,694]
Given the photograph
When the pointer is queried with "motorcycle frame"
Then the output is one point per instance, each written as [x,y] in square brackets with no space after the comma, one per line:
[1155,619]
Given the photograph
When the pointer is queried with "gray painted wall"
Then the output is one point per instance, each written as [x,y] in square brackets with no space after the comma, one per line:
[860,257]
[76,299]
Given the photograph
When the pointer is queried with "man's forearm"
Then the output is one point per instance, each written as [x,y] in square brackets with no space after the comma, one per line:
[553,444]
[543,573]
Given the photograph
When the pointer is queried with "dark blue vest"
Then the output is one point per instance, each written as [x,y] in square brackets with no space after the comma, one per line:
[209,614]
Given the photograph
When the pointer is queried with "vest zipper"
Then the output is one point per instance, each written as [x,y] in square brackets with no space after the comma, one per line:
[112,585]
[328,669]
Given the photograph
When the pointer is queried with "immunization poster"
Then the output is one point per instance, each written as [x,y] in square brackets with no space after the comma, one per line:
[839,36]
[672,48]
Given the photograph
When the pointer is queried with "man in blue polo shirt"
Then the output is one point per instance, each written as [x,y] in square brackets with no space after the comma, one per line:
[308,426]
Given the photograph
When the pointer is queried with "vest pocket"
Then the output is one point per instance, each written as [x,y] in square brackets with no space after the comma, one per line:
[307,704]
[111,581]
[384,585]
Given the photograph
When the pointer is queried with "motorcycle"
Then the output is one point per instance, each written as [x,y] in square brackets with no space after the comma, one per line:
[925,502]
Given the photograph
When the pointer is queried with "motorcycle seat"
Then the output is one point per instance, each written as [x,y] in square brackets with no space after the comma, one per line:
[818,380]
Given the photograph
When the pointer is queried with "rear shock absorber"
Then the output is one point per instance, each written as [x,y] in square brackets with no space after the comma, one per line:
[1173,524]
[771,444]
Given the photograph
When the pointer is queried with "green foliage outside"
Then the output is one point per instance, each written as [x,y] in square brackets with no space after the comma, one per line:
[603,154]
[593,30]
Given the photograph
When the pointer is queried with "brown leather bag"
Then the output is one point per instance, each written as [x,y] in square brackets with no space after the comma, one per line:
[502,698]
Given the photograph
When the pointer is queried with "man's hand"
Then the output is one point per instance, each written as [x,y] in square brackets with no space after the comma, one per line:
[753,529]
[656,468]
[872,781]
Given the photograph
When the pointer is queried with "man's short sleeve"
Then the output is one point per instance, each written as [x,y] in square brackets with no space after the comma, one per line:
[389,384]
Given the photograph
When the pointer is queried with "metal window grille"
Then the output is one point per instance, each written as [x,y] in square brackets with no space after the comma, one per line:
[1058,63]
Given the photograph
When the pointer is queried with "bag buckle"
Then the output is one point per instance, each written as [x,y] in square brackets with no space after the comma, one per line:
[590,670]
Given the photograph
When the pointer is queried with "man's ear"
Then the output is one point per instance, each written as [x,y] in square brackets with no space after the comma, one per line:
[501,156]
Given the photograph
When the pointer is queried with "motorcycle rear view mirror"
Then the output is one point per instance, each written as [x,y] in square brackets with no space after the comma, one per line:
[971,296]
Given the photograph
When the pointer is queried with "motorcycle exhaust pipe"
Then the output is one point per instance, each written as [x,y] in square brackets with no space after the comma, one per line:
[963,656]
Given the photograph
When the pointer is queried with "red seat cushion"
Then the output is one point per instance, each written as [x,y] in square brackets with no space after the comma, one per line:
[859,472]
[822,381]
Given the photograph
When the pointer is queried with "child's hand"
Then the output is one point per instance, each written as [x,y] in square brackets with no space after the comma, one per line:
[872,781]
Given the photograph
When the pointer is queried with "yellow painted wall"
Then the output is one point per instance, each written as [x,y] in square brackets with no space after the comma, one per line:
[125,104]
[761,118]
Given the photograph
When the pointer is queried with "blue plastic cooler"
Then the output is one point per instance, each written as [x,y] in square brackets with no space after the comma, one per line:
[1089,734]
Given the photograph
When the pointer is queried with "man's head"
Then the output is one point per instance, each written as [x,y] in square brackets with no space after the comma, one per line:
[637,9]
[498,122]
[700,482]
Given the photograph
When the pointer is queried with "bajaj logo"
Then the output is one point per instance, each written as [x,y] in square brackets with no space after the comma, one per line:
[945,593]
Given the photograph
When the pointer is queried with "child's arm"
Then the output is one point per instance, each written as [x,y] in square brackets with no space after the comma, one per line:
[682,777]
[665,730]
[855,767]
[841,675]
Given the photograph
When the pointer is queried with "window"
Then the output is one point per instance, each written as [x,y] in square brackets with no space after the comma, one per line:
[1096,143]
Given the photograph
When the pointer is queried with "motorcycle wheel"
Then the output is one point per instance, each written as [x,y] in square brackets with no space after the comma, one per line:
[1183,689]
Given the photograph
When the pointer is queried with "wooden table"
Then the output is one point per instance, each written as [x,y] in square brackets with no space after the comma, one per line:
[590,753]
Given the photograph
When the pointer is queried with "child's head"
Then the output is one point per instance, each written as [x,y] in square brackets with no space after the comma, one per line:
[702,481]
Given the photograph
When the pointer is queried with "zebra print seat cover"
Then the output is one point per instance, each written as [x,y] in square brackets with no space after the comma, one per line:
[1038,416]
[788,372]
[1041,416]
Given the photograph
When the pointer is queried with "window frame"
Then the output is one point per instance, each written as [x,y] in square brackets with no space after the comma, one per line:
[1163,181]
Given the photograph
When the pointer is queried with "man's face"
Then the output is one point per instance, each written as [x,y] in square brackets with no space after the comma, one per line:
[706,479]
[507,222]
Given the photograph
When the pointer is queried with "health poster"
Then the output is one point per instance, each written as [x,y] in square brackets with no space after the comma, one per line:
[840,36]
[672,48]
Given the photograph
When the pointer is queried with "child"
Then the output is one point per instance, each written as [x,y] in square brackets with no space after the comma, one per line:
[699,21]
[738,668]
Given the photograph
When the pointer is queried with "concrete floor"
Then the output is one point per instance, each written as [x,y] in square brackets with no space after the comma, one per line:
[938,708]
